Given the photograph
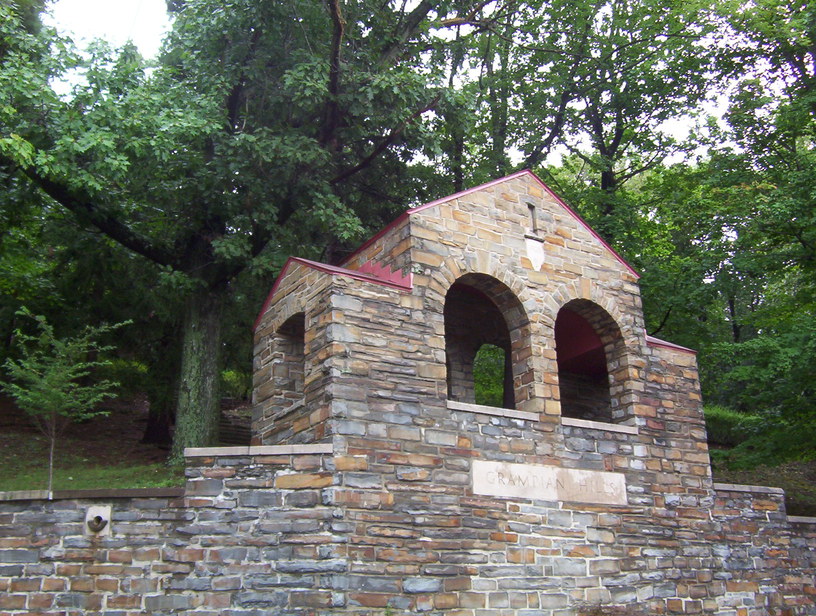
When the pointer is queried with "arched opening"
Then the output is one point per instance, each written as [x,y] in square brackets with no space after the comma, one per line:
[486,339]
[289,365]
[589,348]
[490,372]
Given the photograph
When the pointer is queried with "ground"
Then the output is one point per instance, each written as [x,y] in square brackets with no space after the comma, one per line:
[102,452]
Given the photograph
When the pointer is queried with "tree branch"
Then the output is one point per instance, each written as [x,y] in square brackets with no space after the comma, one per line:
[405,32]
[663,322]
[103,220]
[537,154]
[389,139]
[331,112]
[233,103]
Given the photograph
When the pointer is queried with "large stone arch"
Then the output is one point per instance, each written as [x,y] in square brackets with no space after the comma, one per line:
[609,367]
[482,309]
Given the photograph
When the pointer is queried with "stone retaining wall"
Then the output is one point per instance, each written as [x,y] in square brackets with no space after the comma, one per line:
[297,530]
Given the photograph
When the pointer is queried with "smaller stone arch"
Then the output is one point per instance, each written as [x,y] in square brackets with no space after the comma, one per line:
[480,309]
[592,363]
[289,362]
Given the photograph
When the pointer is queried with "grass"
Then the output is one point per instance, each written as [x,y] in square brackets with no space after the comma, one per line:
[26,468]
[797,478]
[103,453]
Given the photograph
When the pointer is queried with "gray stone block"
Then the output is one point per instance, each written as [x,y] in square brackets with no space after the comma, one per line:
[19,556]
[422,585]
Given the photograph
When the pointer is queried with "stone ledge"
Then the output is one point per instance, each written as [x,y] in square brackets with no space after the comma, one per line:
[598,425]
[733,487]
[18,495]
[259,450]
[801,519]
[492,410]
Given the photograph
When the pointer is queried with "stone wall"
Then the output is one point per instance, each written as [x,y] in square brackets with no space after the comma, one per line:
[452,508]
[249,534]
[299,531]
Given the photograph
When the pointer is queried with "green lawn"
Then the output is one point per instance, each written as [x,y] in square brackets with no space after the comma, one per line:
[25,461]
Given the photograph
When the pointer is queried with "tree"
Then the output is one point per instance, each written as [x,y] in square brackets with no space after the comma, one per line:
[50,379]
[263,125]
[601,79]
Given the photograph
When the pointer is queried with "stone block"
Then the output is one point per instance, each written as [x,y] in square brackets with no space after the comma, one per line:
[299,481]
[259,498]
[19,556]
[422,585]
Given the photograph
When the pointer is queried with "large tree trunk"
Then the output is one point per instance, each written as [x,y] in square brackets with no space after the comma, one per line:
[197,413]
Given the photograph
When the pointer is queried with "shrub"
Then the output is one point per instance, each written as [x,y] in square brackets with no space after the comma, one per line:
[728,428]
[235,384]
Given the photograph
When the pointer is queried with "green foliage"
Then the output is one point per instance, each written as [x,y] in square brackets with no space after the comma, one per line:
[254,139]
[727,427]
[237,385]
[488,375]
[251,140]
[50,377]
[131,376]
[773,445]
[51,380]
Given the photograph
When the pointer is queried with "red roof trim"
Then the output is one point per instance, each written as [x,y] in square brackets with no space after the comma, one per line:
[268,299]
[652,341]
[490,184]
[328,269]
[357,275]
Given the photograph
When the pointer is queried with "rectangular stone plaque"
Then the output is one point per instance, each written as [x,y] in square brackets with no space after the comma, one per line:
[551,483]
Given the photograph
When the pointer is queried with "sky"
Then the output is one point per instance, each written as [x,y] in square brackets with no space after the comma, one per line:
[116,21]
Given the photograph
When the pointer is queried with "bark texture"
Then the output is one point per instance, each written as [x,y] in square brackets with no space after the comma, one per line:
[199,382]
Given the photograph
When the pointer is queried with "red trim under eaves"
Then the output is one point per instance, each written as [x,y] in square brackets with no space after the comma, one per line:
[332,270]
[652,341]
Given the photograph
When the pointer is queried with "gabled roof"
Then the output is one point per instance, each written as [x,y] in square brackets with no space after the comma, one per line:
[377,274]
[519,174]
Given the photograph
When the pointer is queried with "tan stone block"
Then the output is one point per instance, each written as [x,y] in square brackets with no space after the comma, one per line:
[541,277]
[522,556]
[449,600]
[424,232]
[351,463]
[412,459]
[369,599]
[432,371]
[301,481]
[460,215]
[552,407]
[534,190]
[489,236]
[427,258]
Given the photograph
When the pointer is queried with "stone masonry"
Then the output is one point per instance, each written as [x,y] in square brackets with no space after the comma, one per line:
[377,485]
